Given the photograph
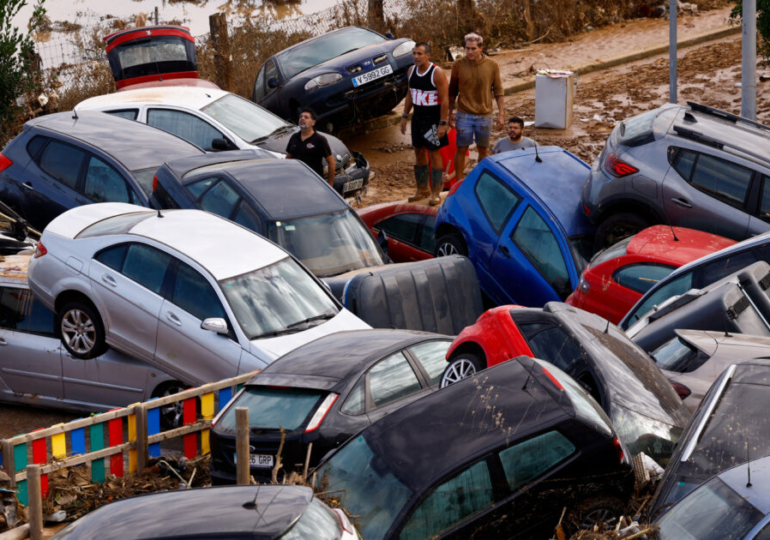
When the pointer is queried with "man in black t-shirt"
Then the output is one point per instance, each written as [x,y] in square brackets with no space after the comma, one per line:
[311,147]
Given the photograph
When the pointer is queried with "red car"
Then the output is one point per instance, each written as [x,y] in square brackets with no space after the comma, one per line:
[408,226]
[618,277]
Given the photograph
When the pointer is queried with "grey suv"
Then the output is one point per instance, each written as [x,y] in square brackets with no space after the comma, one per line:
[690,166]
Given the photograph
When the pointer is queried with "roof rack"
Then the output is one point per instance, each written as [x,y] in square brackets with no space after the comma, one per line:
[725,115]
[719,144]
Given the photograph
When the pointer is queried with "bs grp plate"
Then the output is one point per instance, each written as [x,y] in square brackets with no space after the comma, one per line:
[260,460]
[352,185]
[373,75]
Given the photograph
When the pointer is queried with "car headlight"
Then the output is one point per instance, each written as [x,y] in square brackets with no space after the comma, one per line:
[322,80]
[405,48]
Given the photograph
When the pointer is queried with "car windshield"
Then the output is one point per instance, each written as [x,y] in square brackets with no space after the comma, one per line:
[317,522]
[328,245]
[278,299]
[273,408]
[582,248]
[318,51]
[144,178]
[246,119]
[613,252]
[713,511]
[643,434]
[365,486]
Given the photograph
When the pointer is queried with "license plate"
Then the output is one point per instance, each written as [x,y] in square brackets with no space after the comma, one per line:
[373,75]
[352,185]
[260,460]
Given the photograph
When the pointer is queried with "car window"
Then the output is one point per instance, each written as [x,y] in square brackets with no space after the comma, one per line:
[764,203]
[273,407]
[538,243]
[105,184]
[247,217]
[195,295]
[113,257]
[716,270]
[35,145]
[527,460]
[553,344]
[675,287]
[271,72]
[198,187]
[184,125]
[427,238]
[392,379]
[259,85]
[641,277]
[451,503]
[684,161]
[63,162]
[496,199]
[403,227]
[220,199]
[678,355]
[721,179]
[432,356]
[355,403]
[146,265]
[129,114]
[21,312]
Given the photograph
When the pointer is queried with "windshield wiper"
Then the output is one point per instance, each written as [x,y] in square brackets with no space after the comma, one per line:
[274,132]
[276,333]
[326,315]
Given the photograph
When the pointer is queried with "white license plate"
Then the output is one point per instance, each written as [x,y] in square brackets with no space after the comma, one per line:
[352,185]
[260,460]
[373,75]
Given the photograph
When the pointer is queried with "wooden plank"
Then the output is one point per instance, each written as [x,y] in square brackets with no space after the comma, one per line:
[20,456]
[242,467]
[190,416]
[141,437]
[8,461]
[93,457]
[174,433]
[59,446]
[97,443]
[115,438]
[153,428]
[199,391]
[35,505]
[207,412]
[63,428]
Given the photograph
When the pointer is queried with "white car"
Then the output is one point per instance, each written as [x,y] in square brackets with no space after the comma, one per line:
[184,290]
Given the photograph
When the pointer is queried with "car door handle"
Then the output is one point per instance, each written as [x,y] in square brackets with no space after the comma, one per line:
[505,251]
[109,280]
[681,202]
[28,186]
[173,318]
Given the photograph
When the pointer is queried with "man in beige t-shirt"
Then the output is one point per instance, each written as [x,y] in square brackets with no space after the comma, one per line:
[474,80]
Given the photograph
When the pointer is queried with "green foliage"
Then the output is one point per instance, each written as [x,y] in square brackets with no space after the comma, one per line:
[763,24]
[17,60]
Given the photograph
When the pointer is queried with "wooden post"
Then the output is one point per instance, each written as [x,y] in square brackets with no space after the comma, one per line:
[35,503]
[307,461]
[8,462]
[376,15]
[141,437]
[220,40]
[242,468]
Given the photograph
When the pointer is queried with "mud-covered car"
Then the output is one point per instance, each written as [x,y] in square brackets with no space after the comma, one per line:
[351,74]
[15,234]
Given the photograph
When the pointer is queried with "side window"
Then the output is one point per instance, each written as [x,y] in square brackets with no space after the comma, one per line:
[538,243]
[553,344]
[146,265]
[764,203]
[21,312]
[128,114]
[247,217]
[716,270]
[641,277]
[427,239]
[496,199]
[432,356]
[220,199]
[259,85]
[113,257]
[451,503]
[392,379]
[35,145]
[184,125]
[63,162]
[677,286]
[104,184]
[721,179]
[354,405]
[197,188]
[528,460]
[683,163]
[271,72]
[403,227]
[195,295]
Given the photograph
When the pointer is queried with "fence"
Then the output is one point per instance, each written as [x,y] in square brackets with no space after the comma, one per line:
[66,443]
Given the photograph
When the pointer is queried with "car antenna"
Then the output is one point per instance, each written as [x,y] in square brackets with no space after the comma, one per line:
[724,325]
[748,463]
[159,214]
[670,227]
[537,156]
[607,328]
[75,114]
[529,375]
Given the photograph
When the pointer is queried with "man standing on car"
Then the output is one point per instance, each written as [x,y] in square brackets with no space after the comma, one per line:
[429,96]
[515,139]
[475,78]
[310,147]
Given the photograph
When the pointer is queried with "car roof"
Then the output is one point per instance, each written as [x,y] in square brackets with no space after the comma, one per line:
[342,354]
[309,41]
[262,512]
[721,343]
[137,146]
[443,430]
[757,491]
[178,229]
[556,182]
[659,243]
[13,270]
[189,97]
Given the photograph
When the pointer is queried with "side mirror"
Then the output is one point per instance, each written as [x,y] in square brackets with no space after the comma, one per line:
[217,325]
[382,240]
[272,82]
[220,143]
[389,35]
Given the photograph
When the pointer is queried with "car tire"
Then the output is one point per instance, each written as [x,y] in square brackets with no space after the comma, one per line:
[451,244]
[461,367]
[617,227]
[81,330]
[599,510]
[171,415]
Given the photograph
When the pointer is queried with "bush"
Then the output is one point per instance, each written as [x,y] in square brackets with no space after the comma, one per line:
[763,24]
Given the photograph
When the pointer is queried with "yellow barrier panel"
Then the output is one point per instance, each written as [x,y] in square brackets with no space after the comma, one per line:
[207,411]
[59,445]
[132,438]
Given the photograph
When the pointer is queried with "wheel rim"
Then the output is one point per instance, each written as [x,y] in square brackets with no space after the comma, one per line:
[446,249]
[457,371]
[600,515]
[173,412]
[78,331]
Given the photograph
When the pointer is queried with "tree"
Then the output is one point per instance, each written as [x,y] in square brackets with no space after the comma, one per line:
[17,58]
[763,24]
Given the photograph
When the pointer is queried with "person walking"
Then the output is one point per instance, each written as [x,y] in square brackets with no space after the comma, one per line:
[474,80]
[310,147]
[515,139]
[429,97]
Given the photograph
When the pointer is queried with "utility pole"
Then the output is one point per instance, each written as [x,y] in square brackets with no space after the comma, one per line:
[749,68]
[672,51]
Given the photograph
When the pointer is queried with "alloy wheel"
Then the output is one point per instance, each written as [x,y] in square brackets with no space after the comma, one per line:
[457,371]
[78,331]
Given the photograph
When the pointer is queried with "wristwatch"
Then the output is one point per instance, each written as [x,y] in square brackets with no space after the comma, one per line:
[442,123]
[405,116]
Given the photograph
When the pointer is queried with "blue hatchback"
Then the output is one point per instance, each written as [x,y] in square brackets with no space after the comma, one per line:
[517,216]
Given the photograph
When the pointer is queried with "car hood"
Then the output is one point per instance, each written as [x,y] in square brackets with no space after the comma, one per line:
[271,348]
[339,63]
[280,142]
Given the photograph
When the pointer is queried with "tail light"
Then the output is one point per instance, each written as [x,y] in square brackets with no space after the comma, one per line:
[4,162]
[619,449]
[681,390]
[584,286]
[40,250]
[454,188]
[617,167]
[586,210]
[553,379]
[321,412]
[155,183]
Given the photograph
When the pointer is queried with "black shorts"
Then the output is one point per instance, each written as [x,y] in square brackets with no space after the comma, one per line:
[425,134]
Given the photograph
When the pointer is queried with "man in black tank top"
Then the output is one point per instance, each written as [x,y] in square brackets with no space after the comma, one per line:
[429,96]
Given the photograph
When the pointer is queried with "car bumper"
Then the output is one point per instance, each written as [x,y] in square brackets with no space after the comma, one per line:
[368,100]
[355,178]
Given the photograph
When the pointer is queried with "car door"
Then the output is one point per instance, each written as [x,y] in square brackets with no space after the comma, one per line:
[102,183]
[185,125]
[760,221]
[30,360]
[127,281]
[271,99]
[391,383]
[707,193]
[404,237]
[183,346]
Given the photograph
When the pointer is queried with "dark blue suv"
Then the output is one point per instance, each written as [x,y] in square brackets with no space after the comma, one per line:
[517,216]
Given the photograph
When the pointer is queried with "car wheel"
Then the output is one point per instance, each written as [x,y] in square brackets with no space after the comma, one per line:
[81,330]
[618,227]
[599,510]
[171,415]
[461,367]
[451,244]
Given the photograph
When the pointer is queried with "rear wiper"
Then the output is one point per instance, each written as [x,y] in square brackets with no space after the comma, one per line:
[323,316]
